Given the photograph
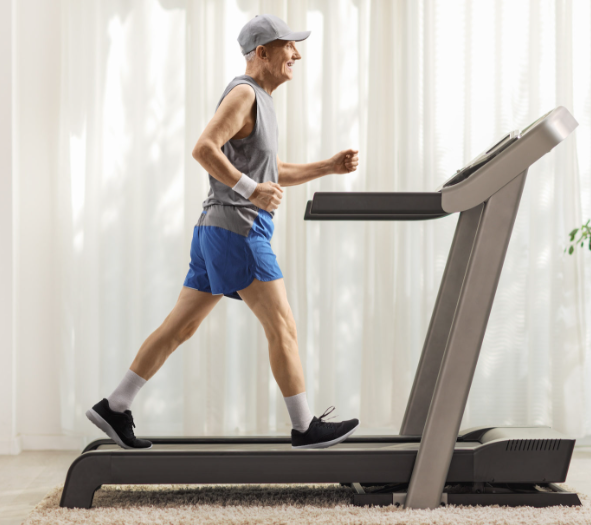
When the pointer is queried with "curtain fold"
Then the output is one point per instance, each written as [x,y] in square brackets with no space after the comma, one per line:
[419,87]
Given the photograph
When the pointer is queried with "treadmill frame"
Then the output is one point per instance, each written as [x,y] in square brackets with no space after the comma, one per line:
[439,393]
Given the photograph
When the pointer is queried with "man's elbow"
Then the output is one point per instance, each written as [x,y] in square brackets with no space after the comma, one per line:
[201,151]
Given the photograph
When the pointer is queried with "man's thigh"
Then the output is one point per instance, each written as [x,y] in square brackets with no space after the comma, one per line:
[268,301]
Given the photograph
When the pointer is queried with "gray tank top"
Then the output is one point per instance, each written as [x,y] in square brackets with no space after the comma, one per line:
[255,156]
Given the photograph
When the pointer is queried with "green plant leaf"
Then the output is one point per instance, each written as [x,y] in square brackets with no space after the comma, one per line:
[584,236]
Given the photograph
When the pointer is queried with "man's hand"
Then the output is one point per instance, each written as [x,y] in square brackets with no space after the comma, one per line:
[345,162]
[267,196]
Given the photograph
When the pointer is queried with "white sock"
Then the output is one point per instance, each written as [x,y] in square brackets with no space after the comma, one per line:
[122,397]
[299,412]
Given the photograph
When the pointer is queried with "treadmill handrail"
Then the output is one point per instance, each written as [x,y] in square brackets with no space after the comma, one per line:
[374,206]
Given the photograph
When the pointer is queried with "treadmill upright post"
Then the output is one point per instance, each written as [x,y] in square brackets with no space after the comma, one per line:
[423,386]
[463,346]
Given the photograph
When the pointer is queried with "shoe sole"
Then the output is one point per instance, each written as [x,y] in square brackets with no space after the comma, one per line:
[326,444]
[97,420]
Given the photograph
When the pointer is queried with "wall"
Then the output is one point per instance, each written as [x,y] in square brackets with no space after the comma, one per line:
[36,82]
[8,440]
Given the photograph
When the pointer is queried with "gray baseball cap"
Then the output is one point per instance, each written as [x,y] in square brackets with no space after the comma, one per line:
[263,29]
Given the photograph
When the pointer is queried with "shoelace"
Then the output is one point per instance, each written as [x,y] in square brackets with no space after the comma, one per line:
[130,418]
[328,411]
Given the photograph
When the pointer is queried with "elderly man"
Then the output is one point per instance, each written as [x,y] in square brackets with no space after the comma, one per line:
[231,253]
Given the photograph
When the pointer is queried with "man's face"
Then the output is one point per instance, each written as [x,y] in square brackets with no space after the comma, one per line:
[282,56]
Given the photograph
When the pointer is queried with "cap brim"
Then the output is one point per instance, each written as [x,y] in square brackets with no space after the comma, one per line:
[297,36]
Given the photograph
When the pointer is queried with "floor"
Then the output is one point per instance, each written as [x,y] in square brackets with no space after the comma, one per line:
[26,478]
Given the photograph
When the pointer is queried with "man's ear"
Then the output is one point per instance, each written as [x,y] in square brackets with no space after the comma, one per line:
[262,52]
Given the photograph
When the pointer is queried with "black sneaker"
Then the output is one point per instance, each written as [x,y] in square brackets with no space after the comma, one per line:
[321,434]
[117,425]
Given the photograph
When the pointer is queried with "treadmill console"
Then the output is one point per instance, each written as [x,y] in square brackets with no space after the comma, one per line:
[487,155]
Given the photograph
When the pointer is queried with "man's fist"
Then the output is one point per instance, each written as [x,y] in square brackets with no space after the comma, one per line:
[345,162]
[267,196]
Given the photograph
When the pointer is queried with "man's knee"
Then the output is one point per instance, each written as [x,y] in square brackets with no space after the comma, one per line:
[281,328]
[178,332]
[188,330]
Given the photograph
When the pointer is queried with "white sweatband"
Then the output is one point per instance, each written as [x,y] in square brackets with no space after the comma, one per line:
[245,186]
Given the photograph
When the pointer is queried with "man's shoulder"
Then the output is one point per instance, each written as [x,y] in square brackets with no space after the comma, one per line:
[240,99]
[241,87]
[240,96]
[244,89]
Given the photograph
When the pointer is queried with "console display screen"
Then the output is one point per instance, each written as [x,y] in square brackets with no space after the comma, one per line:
[498,143]
[481,159]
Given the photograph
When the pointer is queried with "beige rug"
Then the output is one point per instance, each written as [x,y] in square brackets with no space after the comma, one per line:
[276,504]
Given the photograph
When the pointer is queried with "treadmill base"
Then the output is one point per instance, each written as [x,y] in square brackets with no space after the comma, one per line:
[505,494]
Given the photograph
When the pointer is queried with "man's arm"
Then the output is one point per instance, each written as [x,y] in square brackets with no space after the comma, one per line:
[230,117]
[228,120]
[345,161]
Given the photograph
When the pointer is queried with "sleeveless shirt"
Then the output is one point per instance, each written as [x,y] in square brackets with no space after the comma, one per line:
[255,156]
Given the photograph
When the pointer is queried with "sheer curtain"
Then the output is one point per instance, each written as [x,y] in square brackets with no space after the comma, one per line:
[419,88]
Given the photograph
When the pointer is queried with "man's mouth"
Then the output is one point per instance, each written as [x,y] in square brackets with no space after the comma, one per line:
[290,65]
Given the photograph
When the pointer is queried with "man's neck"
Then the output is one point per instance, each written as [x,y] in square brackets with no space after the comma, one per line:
[263,79]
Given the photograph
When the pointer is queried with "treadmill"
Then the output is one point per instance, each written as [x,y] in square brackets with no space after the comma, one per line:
[431,462]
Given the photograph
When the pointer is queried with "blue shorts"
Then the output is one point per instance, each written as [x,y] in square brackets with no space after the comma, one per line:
[223,262]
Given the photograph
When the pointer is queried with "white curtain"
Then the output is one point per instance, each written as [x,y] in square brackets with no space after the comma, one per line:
[419,88]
